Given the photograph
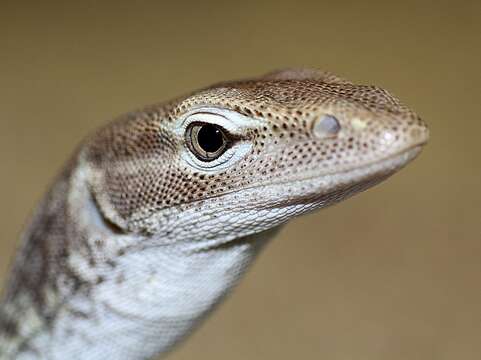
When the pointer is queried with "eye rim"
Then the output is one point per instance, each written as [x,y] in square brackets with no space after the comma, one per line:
[196,149]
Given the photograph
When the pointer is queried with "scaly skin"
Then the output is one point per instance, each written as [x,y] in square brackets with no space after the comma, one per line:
[138,238]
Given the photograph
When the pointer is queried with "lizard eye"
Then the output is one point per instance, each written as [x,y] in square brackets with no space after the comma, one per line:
[206,141]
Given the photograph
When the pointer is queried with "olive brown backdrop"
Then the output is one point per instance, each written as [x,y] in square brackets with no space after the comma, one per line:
[393,273]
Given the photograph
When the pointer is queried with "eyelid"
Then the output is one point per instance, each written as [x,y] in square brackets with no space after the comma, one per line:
[231,137]
[209,166]
[213,119]
[232,121]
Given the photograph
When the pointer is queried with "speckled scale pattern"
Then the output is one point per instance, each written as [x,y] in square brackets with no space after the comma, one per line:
[286,102]
[136,242]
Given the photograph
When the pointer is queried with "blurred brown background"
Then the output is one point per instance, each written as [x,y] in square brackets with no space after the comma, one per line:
[393,273]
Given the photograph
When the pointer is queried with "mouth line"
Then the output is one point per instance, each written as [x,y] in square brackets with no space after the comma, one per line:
[370,174]
[413,151]
[382,172]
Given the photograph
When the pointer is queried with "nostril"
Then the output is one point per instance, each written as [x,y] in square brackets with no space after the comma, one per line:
[326,126]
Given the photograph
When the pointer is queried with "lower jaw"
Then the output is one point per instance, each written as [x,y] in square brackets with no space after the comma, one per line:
[324,190]
[390,164]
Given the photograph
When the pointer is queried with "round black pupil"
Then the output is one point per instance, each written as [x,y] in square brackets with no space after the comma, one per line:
[210,138]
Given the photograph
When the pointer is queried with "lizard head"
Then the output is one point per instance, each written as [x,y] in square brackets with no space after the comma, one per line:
[244,156]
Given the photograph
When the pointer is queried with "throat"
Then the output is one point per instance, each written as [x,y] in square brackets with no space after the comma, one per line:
[150,300]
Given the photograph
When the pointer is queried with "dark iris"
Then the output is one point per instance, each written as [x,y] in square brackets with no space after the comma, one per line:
[210,138]
[206,141]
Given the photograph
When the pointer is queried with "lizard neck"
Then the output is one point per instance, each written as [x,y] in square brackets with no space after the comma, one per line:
[78,289]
